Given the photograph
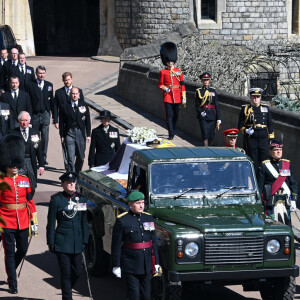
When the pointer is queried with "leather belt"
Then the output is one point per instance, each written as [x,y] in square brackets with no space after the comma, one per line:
[13,205]
[144,245]
[260,126]
[173,86]
[209,106]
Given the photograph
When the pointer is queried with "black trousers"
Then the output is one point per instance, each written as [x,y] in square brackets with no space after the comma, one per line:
[138,286]
[14,238]
[257,146]
[172,114]
[70,270]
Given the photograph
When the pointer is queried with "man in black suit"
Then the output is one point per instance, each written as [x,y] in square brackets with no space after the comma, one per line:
[41,96]
[75,129]
[3,59]
[62,96]
[6,121]
[33,150]
[25,73]
[105,141]
[18,100]
[10,68]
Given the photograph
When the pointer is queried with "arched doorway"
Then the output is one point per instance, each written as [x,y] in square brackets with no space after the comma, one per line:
[66,27]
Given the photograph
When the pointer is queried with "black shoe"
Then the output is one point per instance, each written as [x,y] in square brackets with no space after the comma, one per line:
[171,137]
[46,163]
[13,289]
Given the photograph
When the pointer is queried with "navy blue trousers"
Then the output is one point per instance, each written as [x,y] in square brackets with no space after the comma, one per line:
[14,239]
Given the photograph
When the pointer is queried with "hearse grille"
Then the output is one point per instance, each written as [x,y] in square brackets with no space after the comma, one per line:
[233,250]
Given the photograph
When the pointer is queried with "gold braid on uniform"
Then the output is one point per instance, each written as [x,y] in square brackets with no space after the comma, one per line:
[207,95]
[176,75]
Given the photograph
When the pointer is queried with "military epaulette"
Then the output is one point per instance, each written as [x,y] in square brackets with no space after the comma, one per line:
[282,159]
[265,161]
[146,213]
[264,104]
[243,105]
[123,214]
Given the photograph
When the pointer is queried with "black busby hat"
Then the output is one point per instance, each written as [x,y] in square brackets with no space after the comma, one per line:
[12,152]
[68,176]
[105,114]
[168,52]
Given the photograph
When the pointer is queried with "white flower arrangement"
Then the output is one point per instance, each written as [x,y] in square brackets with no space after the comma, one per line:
[141,135]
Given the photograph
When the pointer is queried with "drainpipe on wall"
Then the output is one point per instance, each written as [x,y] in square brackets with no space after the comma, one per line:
[3,11]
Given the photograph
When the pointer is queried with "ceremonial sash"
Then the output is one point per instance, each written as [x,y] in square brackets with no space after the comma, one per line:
[280,180]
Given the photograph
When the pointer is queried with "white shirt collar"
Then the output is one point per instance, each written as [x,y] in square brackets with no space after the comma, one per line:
[74,103]
[13,92]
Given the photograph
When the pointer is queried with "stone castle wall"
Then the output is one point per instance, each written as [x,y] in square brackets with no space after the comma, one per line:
[138,22]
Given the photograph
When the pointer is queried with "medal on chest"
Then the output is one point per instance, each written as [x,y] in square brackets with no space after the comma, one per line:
[23,184]
[148,226]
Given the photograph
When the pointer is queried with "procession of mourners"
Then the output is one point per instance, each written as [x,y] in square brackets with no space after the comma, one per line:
[29,105]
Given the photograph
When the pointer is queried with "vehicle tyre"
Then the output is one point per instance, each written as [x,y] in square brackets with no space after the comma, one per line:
[279,289]
[96,258]
[162,289]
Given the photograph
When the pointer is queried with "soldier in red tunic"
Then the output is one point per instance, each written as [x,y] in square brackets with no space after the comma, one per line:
[17,207]
[172,84]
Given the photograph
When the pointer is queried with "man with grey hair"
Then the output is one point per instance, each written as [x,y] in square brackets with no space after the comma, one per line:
[41,96]
[75,130]
[33,150]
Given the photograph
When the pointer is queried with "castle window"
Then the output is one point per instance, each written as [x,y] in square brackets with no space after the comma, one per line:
[208,13]
[208,9]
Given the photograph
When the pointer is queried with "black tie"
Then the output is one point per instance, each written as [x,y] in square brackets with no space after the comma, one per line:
[15,95]
[23,71]
[24,134]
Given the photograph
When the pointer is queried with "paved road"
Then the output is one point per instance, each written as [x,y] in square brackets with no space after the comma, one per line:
[40,278]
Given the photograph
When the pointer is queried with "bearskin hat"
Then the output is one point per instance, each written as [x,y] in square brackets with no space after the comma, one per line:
[12,152]
[168,52]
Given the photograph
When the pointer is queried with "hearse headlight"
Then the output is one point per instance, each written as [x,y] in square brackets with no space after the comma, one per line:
[273,246]
[191,249]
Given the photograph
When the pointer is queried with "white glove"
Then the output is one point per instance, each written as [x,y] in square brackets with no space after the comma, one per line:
[203,114]
[250,131]
[157,267]
[219,122]
[183,101]
[34,229]
[117,271]
[167,90]
[293,206]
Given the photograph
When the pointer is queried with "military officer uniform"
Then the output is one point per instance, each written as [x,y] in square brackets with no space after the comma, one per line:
[67,239]
[208,110]
[74,127]
[105,142]
[17,208]
[255,123]
[171,83]
[277,183]
[134,250]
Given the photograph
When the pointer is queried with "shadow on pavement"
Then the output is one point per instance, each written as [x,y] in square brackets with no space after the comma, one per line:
[109,286]
[48,182]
